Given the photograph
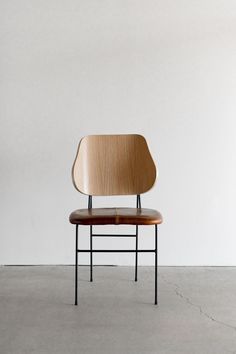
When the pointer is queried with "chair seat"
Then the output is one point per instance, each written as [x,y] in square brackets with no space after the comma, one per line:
[116,216]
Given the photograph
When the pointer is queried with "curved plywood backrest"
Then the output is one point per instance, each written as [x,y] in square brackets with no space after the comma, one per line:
[113,165]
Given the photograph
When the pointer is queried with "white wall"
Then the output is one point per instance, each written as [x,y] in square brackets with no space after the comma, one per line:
[164,69]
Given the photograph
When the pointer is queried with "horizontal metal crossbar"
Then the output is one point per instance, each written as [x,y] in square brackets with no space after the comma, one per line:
[108,251]
[113,235]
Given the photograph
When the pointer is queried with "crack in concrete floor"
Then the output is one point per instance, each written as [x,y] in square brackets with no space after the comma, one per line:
[188,301]
[178,292]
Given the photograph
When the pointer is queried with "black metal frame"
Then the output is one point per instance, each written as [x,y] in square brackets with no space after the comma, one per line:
[91,250]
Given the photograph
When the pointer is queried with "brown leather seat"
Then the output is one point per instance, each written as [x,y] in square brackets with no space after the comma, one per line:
[116,216]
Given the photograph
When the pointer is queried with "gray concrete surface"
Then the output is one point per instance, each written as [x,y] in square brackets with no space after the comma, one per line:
[196,312]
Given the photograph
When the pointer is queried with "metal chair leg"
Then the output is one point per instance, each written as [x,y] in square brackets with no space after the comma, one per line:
[91,261]
[156,302]
[136,255]
[76,265]
[91,253]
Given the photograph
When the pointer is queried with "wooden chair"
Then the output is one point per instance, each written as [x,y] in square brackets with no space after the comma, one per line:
[107,165]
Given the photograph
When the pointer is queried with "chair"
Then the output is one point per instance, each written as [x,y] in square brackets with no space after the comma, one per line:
[107,165]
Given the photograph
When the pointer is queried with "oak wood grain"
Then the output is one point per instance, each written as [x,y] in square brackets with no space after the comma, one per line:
[113,165]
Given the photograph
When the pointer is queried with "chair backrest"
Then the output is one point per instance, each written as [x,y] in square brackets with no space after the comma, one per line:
[113,165]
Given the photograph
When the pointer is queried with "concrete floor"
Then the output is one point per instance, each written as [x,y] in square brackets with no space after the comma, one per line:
[196,312]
